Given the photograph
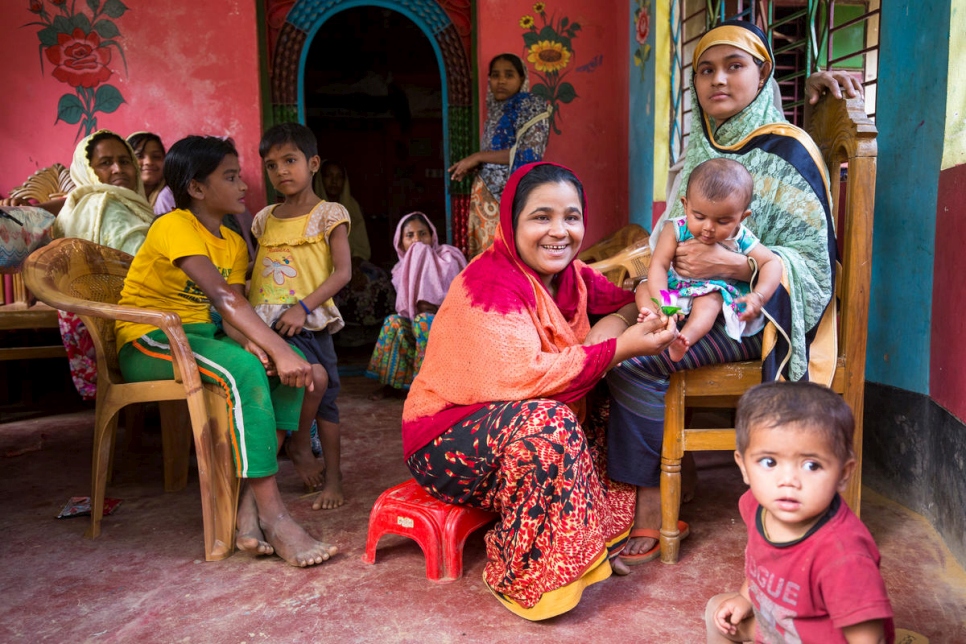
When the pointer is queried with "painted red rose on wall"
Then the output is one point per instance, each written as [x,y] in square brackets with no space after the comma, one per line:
[79,47]
[642,29]
[80,59]
[643,26]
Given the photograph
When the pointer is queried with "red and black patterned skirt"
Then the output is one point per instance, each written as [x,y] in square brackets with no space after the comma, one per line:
[532,462]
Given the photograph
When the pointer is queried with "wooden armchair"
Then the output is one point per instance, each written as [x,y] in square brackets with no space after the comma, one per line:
[628,266]
[45,184]
[42,186]
[85,278]
[845,135]
[610,246]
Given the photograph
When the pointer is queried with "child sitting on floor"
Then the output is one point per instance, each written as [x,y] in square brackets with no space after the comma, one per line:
[811,566]
[303,260]
[717,200]
[421,278]
[190,262]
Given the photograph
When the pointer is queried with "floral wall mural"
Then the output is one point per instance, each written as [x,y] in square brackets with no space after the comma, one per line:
[79,45]
[642,28]
[644,110]
[170,71]
[549,48]
[579,56]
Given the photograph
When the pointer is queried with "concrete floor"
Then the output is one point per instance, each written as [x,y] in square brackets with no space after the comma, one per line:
[145,579]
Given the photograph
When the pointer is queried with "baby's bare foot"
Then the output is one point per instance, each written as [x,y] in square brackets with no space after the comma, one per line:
[331,495]
[678,348]
[308,467]
[250,537]
[295,545]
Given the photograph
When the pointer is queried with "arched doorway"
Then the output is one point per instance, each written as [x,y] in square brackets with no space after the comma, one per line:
[291,58]
[373,97]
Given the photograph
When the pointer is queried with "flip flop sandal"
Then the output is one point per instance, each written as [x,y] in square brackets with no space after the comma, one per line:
[655,552]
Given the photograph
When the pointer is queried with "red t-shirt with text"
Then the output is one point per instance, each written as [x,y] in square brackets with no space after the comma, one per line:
[809,590]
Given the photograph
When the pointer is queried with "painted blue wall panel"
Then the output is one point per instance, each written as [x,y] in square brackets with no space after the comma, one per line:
[910,116]
[641,129]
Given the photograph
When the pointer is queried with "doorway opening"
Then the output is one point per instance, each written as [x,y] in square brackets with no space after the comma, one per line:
[373,96]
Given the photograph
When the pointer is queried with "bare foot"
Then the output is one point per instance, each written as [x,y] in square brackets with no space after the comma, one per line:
[647,515]
[250,537]
[386,391]
[379,393]
[331,495]
[295,545]
[619,567]
[678,348]
[308,467]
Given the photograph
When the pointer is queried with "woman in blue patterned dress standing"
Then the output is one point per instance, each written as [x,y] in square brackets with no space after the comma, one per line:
[516,132]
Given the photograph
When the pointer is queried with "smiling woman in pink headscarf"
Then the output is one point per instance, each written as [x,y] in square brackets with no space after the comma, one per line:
[425,270]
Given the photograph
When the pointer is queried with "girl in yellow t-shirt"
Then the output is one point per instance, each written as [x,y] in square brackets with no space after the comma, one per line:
[189,263]
[303,260]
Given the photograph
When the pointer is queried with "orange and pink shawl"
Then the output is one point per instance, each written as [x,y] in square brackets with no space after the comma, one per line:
[501,336]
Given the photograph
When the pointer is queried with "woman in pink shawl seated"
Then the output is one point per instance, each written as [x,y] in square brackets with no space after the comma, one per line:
[497,417]
[425,270]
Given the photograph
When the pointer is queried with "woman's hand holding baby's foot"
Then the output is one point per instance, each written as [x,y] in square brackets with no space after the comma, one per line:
[331,495]
[250,537]
[646,313]
[678,348]
[293,544]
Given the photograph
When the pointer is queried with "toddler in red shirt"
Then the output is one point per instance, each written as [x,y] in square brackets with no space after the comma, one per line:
[811,566]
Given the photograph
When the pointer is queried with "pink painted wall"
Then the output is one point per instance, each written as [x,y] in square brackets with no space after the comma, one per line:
[192,68]
[594,125]
[947,375]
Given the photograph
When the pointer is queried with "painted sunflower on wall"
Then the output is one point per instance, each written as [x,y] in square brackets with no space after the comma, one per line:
[550,49]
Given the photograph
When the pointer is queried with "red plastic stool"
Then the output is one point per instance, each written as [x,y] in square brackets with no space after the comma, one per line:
[439,528]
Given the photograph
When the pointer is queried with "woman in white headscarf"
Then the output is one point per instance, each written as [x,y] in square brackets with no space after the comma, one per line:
[107,207]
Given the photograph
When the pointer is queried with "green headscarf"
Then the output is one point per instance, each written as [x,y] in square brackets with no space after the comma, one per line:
[790,212]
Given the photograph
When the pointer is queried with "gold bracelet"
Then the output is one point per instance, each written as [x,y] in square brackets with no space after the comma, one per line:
[618,315]
[761,298]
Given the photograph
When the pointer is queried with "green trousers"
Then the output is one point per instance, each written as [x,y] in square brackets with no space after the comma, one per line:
[257,405]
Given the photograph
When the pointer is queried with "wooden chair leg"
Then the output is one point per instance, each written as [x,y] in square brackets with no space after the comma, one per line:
[176,442]
[671,454]
[105,429]
[855,397]
[133,417]
[225,482]
[218,481]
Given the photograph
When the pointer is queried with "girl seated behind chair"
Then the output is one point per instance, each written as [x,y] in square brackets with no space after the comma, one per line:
[188,264]
[421,278]
[716,201]
[303,261]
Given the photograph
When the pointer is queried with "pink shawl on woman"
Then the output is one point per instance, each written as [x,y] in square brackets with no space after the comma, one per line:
[502,336]
[424,272]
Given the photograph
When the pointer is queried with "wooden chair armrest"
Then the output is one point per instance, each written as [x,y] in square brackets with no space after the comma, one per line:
[182,358]
[183,362]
